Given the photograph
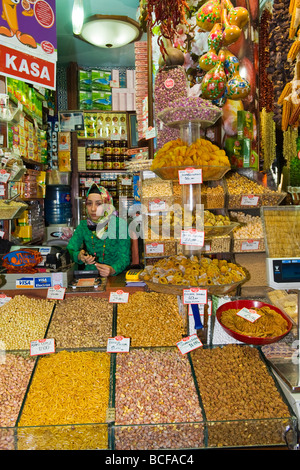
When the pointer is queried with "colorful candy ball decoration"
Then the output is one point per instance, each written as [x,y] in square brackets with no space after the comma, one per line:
[225,24]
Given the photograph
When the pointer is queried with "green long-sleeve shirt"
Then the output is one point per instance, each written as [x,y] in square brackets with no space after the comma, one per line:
[114,248]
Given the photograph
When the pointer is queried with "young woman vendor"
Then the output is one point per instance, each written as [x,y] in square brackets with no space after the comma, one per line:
[101,241]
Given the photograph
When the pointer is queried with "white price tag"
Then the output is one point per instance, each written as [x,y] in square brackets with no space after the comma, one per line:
[250,245]
[118,344]
[189,344]
[57,292]
[249,200]
[4,299]
[157,205]
[190,176]
[4,176]
[248,314]
[192,237]
[150,133]
[195,295]
[42,346]
[119,297]
[114,84]
[126,182]
[155,248]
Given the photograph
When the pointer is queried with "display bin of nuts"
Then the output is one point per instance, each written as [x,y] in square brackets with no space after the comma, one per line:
[217,244]
[15,372]
[244,193]
[156,401]
[282,231]
[24,319]
[152,186]
[67,402]
[218,224]
[11,209]
[242,401]
[152,320]
[82,322]
[213,195]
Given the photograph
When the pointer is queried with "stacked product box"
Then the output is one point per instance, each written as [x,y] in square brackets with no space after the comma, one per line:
[239,148]
[95,89]
[141,81]
[28,141]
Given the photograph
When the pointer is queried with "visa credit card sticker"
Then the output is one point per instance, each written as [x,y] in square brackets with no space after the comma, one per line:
[25,283]
[42,282]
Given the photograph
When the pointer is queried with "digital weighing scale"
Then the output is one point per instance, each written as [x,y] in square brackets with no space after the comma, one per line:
[283,273]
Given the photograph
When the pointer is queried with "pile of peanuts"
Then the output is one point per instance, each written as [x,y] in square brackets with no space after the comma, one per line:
[22,320]
[68,387]
[81,322]
[15,372]
[156,386]
[151,319]
[235,384]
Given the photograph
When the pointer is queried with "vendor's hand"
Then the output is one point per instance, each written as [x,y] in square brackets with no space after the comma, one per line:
[86,258]
[104,270]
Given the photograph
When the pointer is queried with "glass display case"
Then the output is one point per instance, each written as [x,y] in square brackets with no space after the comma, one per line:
[153,397]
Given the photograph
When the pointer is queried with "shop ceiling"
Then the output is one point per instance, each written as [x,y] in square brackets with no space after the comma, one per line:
[71,49]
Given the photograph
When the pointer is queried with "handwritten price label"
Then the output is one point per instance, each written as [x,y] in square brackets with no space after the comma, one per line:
[118,344]
[192,237]
[250,245]
[249,200]
[195,296]
[190,176]
[4,299]
[118,297]
[57,292]
[189,344]
[42,346]
[248,314]
[155,248]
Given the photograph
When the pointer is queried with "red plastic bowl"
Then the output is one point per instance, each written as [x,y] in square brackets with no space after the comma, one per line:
[239,304]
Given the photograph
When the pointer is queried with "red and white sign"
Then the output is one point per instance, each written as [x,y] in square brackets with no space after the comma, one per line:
[25,67]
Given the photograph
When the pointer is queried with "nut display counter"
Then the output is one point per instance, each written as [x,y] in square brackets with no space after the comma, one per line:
[152,397]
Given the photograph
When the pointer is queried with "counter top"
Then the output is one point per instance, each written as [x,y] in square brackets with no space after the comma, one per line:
[110,284]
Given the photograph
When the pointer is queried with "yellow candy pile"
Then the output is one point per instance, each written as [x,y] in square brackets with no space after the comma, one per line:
[202,152]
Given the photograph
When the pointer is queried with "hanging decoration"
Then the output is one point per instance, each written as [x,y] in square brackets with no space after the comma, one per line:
[168,16]
[225,23]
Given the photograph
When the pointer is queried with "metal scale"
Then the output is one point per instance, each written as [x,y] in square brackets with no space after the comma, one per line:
[282,239]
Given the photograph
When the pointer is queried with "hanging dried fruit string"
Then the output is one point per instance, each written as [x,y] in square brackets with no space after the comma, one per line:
[167,15]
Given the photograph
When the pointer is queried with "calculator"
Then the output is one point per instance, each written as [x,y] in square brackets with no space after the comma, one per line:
[133,274]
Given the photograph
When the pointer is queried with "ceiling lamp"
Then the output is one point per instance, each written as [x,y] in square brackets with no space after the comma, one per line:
[77,16]
[109,31]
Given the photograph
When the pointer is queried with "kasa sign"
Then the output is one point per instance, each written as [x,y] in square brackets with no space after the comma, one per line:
[28,44]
